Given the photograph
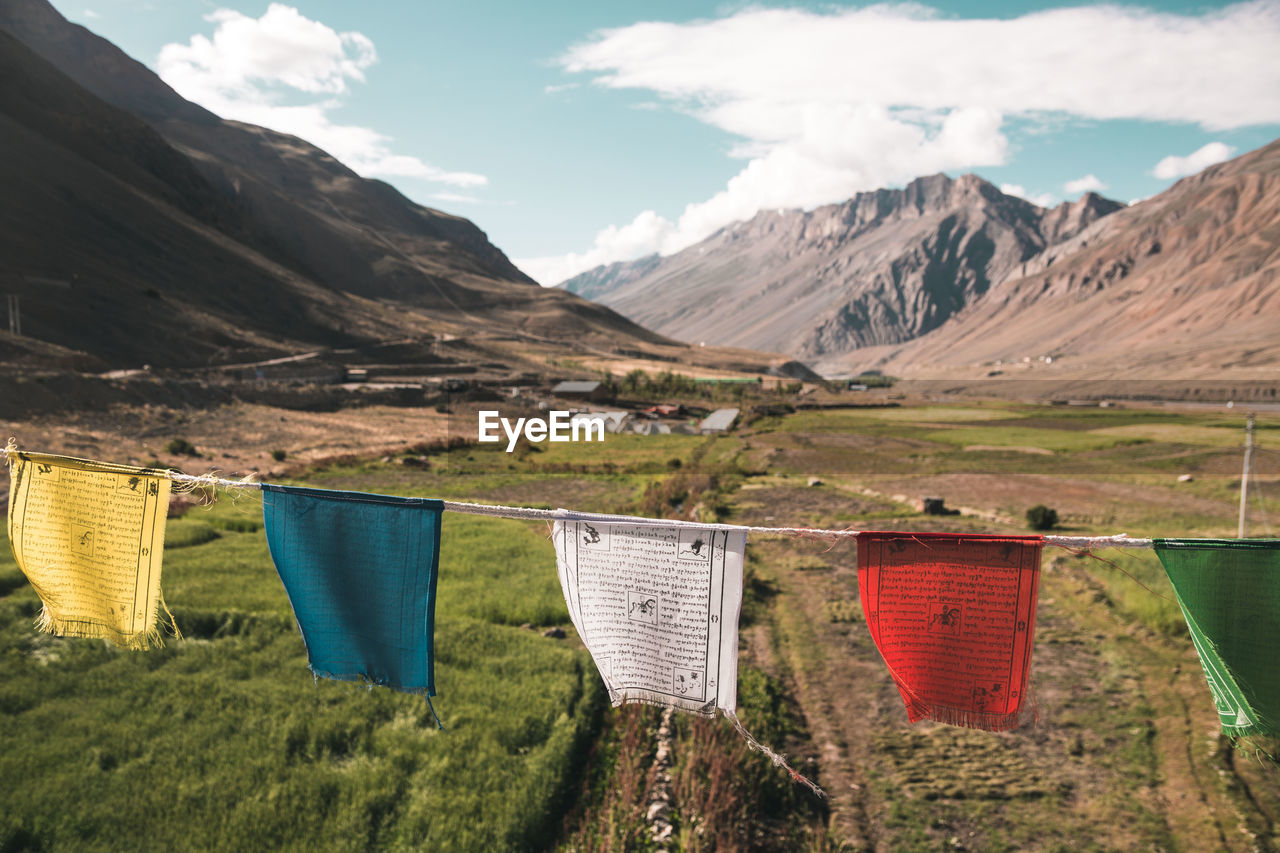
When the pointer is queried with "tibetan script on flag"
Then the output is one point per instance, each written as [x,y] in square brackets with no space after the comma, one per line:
[89,536]
[1229,592]
[657,606]
[953,616]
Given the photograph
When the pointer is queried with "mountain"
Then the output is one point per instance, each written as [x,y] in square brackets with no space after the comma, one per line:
[598,283]
[139,227]
[1186,283]
[130,248]
[882,268]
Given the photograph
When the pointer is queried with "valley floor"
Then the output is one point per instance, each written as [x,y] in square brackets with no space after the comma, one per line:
[1123,752]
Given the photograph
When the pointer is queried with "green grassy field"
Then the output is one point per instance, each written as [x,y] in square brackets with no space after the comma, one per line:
[223,740]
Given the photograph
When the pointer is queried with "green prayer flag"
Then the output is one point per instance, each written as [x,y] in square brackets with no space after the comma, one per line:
[1229,592]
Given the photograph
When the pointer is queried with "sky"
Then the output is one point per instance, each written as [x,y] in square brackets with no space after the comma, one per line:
[581,133]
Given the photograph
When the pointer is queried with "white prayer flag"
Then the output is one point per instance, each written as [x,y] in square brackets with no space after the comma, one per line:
[657,606]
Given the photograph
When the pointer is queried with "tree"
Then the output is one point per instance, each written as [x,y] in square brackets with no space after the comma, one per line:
[1041,517]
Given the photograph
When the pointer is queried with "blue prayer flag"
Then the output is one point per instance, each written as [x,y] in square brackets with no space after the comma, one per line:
[360,571]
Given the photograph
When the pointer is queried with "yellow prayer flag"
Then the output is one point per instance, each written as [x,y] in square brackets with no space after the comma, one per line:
[90,536]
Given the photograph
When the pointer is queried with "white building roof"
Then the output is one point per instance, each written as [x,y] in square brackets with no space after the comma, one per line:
[719,420]
[613,421]
[576,386]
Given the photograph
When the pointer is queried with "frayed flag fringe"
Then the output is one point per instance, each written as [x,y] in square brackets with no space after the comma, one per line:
[1261,726]
[970,719]
[636,698]
[171,624]
[88,630]
[368,682]
[919,708]
[778,760]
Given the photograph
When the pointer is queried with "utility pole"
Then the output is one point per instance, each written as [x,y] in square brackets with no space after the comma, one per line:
[1244,478]
[15,314]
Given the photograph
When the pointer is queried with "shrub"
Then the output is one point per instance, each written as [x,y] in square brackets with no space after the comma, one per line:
[635,381]
[181,447]
[278,455]
[1041,517]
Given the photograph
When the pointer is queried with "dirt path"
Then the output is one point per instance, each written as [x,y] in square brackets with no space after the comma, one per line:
[818,656]
[1213,796]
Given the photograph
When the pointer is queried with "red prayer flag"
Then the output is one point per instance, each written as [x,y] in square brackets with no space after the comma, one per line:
[953,616]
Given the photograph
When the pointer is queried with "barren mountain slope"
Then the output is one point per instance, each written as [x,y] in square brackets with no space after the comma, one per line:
[882,268]
[129,250]
[1186,283]
[596,284]
[282,198]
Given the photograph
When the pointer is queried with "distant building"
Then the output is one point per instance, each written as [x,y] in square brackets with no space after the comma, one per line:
[616,421]
[613,421]
[721,420]
[664,411]
[581,390]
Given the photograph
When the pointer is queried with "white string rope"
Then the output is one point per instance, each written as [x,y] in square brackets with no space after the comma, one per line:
[1088,543]
[605,518]
[211,480]
[1078,543]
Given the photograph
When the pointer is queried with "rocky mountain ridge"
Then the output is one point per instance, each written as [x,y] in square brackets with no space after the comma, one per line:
[882,268]
[1185,283]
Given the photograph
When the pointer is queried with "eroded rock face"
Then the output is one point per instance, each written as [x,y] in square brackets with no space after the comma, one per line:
[882,268]
[1183,284]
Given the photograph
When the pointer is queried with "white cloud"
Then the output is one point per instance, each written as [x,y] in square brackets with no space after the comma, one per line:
[1179,167]
[823,105]
[251,65]
[1041,199]
[456,198]
[646,234]
[90,14]
[1100,62]
[1089,183]
[837,153]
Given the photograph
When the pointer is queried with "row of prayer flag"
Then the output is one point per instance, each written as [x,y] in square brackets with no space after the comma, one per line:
[656,603]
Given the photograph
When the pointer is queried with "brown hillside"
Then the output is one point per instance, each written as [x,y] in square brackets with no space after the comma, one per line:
[1186,283]
[122,238]
[187,239]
